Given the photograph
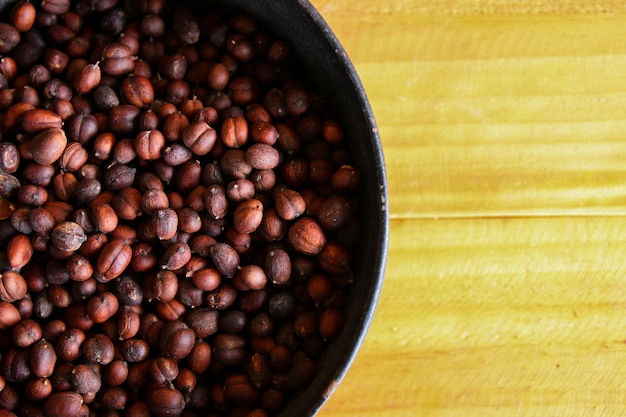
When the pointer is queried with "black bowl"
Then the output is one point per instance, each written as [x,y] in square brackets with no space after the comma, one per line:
[328,68]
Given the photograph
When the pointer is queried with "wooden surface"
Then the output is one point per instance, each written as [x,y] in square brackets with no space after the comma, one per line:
[504,129]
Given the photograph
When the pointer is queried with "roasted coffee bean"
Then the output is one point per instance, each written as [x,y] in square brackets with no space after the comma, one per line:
[199,137]
[176,256]
[12,286]
[163,370]
[176,340]
[105,98]
[229,349]
[113,260]
[127,203]
[85,380]
[68,236]
[164,223]
[98,349]
[165,402]
[174,199]
[19,251]
[26,332]
[128,290]
[119,176]
[87,78]
[135,350]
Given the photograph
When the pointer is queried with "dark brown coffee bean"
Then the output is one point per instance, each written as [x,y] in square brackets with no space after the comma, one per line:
[119,176]
[88,78]
[117,59]
[63,404]
[202,321]
[229,349]
[199,137]
[135,350]
[26,332]
[250,277]
[165,223]
[149,144]
[262,324]
[98,349]
[232,321]
[161,286]
[64,186]
[234,165]
[68,236]
[82,127]
[48,146]
[306,236]
[175,256]
[9,157]
[127,203]
[165,402]
[330,322]
[105,98]
[240,190]
[23,16]
[186,27]
[113,260]
[177,340]
[113,398]
[263,132]
[12,286]
[187,178]
[174,125]
[234,132]
[102,307]
[87,190]
[73,157]
[262,156]
[85,380]
[273,227]
[171,310]
[176,154]
[199,358]
[215,201]
[9,38]
[153,200]
[128,324]
[79,268]
[225,259]
[38,389]
[173,67]
[68,347]
[124,118]
[248,216]
[281,305]
[9,185]
[103,218]
[59,296]
[115,373]
[278,266]
[19,251]
[137,91]
[9,315]
[164,370]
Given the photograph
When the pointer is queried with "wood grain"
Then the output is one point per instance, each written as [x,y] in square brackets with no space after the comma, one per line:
[497,115]
[504,130]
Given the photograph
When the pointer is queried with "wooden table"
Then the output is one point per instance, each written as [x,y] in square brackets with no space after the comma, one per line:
[504,129]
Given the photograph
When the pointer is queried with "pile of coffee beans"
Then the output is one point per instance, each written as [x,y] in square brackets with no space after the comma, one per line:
[177,213]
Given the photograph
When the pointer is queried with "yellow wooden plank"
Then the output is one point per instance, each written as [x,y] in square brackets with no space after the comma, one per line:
[493,115]
[471,7]
[507,317]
